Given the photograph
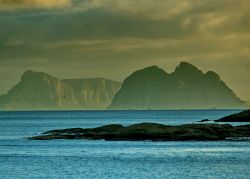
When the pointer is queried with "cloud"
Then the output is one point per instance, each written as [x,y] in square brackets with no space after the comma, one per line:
[119,19]
[13,4]
[154,9]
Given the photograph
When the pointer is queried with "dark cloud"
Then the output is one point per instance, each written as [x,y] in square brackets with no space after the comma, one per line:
[87,25]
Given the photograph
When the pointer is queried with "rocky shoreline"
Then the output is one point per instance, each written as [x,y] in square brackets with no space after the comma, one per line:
[152,132]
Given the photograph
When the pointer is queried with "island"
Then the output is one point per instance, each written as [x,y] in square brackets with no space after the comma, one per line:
[152,132]
[150,88]
[187,87]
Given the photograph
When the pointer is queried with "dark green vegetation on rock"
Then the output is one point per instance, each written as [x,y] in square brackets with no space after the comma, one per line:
[186,88]
[151,131]
[243,116]
[41,91]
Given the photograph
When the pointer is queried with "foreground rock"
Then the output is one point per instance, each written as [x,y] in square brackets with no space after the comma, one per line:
[243,116]
[151,131]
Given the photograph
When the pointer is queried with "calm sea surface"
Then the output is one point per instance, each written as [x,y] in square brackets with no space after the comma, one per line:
[21,158]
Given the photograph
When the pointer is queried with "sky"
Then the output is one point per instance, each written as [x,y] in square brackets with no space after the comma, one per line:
[113,38]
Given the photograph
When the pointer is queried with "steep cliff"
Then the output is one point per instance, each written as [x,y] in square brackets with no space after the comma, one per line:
[40,91]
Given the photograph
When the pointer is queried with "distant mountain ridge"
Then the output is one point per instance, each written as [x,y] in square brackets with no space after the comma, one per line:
[41,91]
[150,88]
[186,88]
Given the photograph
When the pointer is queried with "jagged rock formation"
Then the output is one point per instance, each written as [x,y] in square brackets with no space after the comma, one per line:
[40,91]
[186,88]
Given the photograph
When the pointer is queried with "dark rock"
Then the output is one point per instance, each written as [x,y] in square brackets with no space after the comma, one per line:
[151,131]
[204,120]
[243,116]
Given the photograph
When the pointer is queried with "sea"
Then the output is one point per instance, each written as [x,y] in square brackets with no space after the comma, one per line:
[80,159]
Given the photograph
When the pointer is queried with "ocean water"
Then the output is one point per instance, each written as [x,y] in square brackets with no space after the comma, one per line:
[21,158]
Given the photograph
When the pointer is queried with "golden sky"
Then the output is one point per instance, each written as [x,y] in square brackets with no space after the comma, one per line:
[112,38]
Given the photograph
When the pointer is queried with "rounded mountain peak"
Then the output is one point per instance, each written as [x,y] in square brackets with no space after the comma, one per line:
[153,67]
[213,75]
[31,75]
[187,68]
[151,70]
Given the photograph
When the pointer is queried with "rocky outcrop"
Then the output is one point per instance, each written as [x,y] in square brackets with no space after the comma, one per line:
[186,88]
[243,116]
[153,132]
[41,91]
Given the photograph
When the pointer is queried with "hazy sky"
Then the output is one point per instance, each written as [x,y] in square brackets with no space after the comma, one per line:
[112,38]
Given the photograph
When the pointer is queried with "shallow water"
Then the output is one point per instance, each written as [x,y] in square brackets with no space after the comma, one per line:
[21,158]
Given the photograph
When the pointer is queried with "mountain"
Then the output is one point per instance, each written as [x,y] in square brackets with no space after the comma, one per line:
[186,88]
[94,93]
[41,91]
